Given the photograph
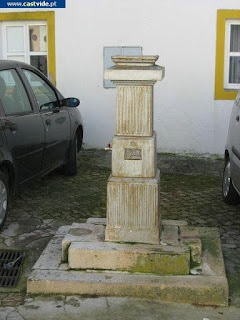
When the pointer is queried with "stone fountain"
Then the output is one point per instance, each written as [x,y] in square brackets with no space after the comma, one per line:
[133,252]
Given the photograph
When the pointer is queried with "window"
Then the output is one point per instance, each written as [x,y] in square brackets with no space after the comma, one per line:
[114,51]
[26,41]
[232,55]
[29,37]
[227,73]
[12,93]
[44,94]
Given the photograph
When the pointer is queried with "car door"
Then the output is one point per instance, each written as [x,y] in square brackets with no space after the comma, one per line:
[22,126]
[56,121]
[235,142]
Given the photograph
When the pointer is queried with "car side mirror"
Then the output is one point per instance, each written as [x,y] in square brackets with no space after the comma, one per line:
[70,102]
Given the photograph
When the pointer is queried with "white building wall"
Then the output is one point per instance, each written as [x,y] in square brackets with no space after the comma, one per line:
[181,32]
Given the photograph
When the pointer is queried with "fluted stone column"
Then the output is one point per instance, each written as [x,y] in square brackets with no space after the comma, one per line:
[133,187]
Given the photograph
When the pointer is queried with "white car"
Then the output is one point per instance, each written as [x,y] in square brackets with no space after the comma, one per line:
[231,175]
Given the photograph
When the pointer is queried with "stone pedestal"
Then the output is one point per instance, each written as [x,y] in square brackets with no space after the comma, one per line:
[133,187]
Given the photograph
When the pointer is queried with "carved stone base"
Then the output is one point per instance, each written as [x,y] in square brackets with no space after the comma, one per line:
[133,210]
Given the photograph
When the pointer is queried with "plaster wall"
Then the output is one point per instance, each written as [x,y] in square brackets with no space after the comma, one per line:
[181,32]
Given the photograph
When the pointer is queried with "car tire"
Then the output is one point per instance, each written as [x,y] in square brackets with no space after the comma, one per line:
[4,198]
[229,193]
[70,168]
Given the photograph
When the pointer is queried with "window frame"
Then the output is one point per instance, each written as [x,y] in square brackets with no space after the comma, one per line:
[49,17]
[222,91]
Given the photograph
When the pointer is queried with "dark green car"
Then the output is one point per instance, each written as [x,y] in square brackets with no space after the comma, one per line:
[40,129]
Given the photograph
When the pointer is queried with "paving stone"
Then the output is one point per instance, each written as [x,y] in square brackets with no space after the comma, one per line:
[81,232]
[10,231]
[51,256]
[73,301]
[12,299]
[27,237]
[27,221]
[9,242]
[102,221]
[195,246]
[63,230]
[189,232]
[229,246]
[169,235]
[174,222]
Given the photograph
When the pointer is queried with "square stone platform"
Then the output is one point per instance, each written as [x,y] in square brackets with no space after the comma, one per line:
[78,261]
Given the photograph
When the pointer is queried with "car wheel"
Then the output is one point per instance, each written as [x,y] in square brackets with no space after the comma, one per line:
[70,168]
[4,197]
[229,193]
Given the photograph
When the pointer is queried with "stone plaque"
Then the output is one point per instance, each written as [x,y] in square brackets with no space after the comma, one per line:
[132,154]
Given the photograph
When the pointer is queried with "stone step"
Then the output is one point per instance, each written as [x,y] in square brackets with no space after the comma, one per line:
[157,259]
[198,290]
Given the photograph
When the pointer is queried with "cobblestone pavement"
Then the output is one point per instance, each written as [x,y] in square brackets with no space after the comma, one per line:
[190,190]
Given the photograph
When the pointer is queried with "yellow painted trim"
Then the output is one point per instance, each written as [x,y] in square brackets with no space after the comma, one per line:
[220,92]
[48,16]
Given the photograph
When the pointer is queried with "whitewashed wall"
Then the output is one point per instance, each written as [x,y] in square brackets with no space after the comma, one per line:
[181,32]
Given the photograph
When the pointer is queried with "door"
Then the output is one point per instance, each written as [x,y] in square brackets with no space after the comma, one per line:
[55,120]
[24,130]
[235,142]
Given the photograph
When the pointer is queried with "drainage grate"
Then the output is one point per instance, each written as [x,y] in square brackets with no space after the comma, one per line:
[10,267]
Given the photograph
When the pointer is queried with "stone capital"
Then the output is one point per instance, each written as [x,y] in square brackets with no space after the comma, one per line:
[135,68]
